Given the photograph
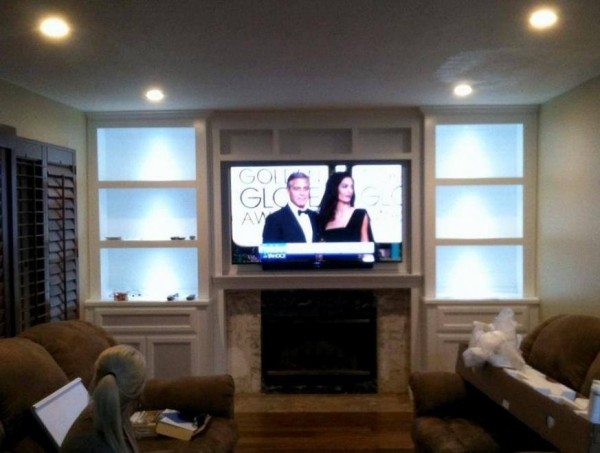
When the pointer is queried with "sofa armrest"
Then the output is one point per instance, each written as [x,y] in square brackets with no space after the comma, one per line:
[194,394]
[437,393]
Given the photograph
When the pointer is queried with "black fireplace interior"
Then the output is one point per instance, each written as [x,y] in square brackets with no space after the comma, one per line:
[319,341]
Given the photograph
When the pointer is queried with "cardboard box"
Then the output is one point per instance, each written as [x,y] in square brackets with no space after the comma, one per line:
[555,422]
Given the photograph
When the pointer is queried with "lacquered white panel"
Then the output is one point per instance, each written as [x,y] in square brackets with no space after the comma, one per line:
[479,211]
[316,141]
[479,271]
[479,151]
[147,154]
[149,273]
[172,356]
[147,214]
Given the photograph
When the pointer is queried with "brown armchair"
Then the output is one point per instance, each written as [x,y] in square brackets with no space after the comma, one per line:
[45,357]
[452,416]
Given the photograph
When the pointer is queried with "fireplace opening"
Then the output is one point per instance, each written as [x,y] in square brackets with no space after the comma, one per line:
[319,341]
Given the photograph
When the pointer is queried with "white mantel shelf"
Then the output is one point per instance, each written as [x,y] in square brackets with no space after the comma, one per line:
[322,280]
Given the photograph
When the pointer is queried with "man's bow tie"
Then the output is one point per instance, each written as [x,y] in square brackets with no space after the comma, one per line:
[300,212]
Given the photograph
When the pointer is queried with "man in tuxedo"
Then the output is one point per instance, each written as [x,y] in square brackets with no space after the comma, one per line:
[294,222]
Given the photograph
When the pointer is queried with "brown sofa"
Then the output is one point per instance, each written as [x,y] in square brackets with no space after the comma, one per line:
[452,416]
[44,358]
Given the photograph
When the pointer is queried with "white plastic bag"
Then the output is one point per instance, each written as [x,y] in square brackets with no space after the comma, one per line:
[496,343]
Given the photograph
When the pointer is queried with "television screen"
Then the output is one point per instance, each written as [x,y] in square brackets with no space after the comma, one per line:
[316,215]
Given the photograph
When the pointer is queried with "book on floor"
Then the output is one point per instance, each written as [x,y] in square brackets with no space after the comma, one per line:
[173,423]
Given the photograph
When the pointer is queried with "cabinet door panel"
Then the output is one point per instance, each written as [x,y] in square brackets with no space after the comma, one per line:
[136,341]
[172,356]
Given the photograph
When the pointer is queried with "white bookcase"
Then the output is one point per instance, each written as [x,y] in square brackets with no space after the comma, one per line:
[148,224]
[480,184]
[147,207]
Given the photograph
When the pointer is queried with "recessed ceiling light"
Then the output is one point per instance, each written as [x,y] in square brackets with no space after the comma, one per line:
[543,18]
[55,27]
[463,90]
[155,95]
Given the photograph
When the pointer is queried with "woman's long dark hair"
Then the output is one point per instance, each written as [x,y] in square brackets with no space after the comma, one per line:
[330,198]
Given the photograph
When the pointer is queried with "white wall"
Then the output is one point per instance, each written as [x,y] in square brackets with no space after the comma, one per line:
[38,118]
[569,202]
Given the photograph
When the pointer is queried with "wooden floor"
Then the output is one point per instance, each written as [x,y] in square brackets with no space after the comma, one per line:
[323,424]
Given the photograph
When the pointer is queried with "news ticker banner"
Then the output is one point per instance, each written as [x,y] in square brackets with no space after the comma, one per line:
[283,250]
[256,191]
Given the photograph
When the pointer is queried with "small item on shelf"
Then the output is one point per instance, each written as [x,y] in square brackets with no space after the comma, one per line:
[190,297]
[172,297]
[177,238]
[192,238]
[175,424]
[113,238]
[120,296]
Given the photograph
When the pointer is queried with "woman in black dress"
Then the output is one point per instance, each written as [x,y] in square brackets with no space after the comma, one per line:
[338,219]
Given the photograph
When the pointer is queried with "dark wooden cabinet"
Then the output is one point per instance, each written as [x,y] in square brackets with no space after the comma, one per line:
[39,235]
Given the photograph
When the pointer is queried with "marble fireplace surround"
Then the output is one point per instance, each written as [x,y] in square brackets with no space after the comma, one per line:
[243,332]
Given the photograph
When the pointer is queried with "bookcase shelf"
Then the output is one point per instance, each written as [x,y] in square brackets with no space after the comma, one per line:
[480,182]
[146,193]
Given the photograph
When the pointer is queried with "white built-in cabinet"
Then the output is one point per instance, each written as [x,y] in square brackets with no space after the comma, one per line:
[480,217]
[158,210]
[159,220]
[315,136]
[148,224]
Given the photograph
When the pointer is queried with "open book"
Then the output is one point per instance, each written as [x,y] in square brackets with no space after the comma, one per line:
[57,412]
[168,422]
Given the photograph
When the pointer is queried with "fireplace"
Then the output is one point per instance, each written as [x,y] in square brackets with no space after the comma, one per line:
[318,341]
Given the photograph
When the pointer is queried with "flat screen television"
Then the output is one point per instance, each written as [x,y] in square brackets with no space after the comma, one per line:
[258,189]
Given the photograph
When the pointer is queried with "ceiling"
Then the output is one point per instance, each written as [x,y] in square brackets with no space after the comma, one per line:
[264,54]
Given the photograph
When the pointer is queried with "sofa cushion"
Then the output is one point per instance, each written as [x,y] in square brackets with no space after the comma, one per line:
[564,348]
[592,374]
[220,437]
[437,392]
[454,435]
[74,345]
[529,340]
[27,374]
[215,394]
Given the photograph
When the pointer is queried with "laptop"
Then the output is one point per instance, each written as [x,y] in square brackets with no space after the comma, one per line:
[57,412]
